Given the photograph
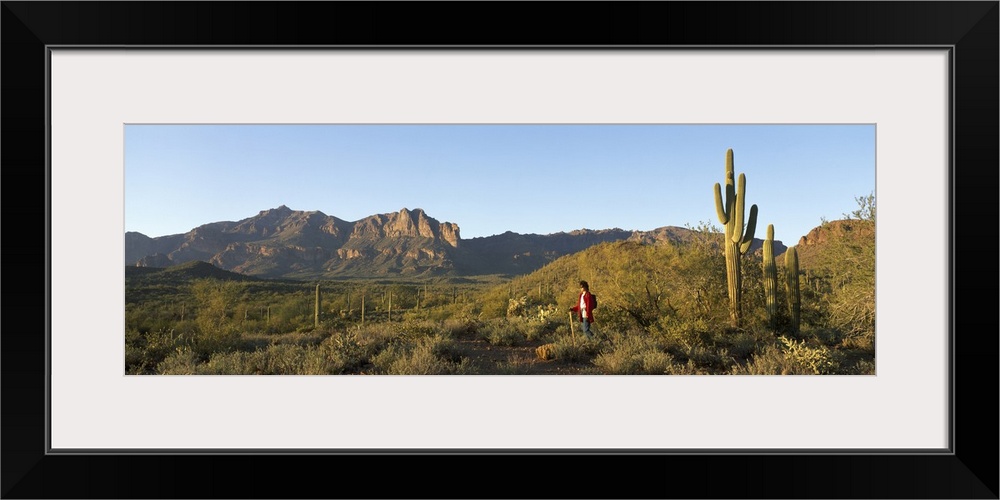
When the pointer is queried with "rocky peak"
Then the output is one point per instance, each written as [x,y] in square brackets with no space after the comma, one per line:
[407,224]
[281,210]
[285,221]
[837,229]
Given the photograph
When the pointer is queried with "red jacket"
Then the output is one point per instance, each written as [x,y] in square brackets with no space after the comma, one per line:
[590,307]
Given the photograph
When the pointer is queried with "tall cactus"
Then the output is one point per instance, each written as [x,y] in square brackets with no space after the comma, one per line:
[770,278]
[792,287]
[316,310]
[737,241]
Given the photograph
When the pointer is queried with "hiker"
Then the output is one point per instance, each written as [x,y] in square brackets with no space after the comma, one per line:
[585,309]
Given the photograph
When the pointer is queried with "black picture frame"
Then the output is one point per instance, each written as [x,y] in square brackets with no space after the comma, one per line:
[970,29]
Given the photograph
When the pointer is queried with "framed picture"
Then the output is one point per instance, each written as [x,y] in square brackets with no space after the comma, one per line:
[922,75]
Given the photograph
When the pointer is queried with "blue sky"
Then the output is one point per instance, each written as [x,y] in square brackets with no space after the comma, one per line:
[489,179]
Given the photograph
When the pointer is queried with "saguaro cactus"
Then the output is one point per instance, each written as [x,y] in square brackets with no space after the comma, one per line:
[792,287]
[737,241]
[316,311]
[770,278]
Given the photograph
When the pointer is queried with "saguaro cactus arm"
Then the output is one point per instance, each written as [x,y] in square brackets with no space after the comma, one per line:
[722,207]
[751,228]
[738,211]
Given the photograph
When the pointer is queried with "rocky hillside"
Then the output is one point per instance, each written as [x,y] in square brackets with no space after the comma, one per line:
[286,243]
[814,249]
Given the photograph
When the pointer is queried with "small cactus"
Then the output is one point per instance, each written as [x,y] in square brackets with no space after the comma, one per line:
[737,236]
[792,287]
[316,312]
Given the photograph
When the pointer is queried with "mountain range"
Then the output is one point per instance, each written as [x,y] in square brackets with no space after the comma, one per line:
[286,243]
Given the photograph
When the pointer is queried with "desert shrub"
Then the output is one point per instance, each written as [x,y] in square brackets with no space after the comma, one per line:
[769,360]
[846,270]
[568,350]
[494,304]
[789,357]
[687,368]
[859,342]
[825,336]
[444,347]
[182,361]
[152,317]
[619,362]
[863,367]
[708,359]
[682,332]
[657,362]
[539,330]
[529,328]
[344,353]
[501,333]
[205,345]
[373,337]
[512,366]
[290,313]
[217,301]
[634,354]
[517,307]
[144,351]
[560,330]
[428,314]
[420,358]
[459,327]
[742,343]
[279,359]
[754,301]
[134,360]
[417,328]
[816,359]
[610,319]
[319,361]
[233,363]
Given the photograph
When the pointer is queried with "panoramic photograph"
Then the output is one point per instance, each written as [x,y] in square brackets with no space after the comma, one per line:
[514,249]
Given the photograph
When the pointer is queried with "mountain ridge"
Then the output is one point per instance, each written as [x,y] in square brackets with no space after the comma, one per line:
[285,243]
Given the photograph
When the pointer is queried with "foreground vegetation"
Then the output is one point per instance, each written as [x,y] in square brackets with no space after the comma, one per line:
[664,309]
